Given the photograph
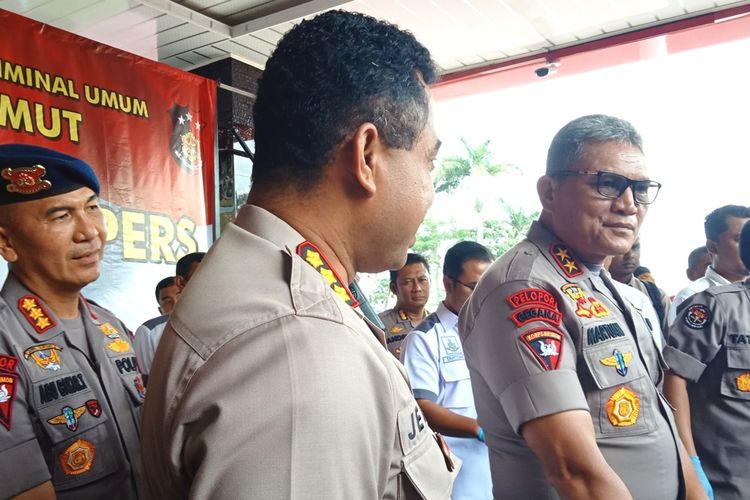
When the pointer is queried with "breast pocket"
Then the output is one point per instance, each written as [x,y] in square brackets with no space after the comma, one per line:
[457,390]
[735,382]
[622,400]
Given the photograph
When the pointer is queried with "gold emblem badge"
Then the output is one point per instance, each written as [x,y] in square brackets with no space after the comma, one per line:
[35,313]
[586,307]
[26,180]
[109,330]
[395,329]
[45,356]
[118,345]
[623,407]
[315,258]
[78,457]
[743,382]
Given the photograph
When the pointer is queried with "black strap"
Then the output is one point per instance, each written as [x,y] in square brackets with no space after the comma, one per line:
[655,296]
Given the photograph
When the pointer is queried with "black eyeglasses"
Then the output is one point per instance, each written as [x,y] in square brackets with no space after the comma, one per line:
[611,185]
[470,287]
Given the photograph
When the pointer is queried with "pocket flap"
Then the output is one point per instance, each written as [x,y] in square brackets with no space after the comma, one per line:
[425,467]
[738,358]
[612,363]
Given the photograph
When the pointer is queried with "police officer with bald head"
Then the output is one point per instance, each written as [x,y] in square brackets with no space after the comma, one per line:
[70,390]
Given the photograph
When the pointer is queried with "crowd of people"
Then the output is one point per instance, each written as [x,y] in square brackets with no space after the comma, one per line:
[542,374]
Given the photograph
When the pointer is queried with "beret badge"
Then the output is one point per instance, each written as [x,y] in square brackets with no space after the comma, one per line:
[26,180]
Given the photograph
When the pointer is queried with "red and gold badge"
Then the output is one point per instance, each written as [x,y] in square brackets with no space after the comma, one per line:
[623,407]
[546,346]
[46,356]
[78,457]
[26,180]
[315,258]
[565,260]
[586,307]
[7,392]
[35,313]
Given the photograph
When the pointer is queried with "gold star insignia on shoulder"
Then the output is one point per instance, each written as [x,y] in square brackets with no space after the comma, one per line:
[35,313]
[565,260]
[313,256]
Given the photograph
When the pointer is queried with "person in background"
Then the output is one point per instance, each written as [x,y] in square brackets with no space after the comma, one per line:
[411,286]
[698,261]
[622,268]
[147,336]
[434,360]
[166,293]
[70,390]
[565,373]
[269,382]
[709,379]
[722,228]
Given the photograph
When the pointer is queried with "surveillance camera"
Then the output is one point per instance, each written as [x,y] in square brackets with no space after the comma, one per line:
[548,69]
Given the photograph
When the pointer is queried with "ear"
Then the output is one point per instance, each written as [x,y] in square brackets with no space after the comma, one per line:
[7,250]
[448,285]
[546,187]
[366,148]
[180,282]
[160,311]
[393,287]
[712,247]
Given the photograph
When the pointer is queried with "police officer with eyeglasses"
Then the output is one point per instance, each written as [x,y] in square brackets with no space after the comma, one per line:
[564,369]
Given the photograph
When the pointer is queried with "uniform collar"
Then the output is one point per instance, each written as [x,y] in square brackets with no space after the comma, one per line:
[562,258]
[446,317]
[714,277]
[34,315]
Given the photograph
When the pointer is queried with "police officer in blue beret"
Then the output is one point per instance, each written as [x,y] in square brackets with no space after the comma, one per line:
[70,389]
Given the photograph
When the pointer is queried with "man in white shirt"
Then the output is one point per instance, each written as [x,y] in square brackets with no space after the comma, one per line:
[434,359]
[723,227]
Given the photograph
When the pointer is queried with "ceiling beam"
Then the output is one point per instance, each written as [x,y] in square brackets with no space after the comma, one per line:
[285,15]
[191,16]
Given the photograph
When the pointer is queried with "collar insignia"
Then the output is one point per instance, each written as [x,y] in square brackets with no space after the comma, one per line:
[45,356]
[313,256]
[78,457]
[35,313]
[69,417]
[26,180]
[402,315]
[565,260]
[619,360]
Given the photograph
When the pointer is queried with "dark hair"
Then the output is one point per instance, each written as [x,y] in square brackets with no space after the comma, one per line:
[166,282]
[326,77]
[745,245]
[411,258]
[695,255]
[183,265]
[459,253]
[718,221]
[567,145]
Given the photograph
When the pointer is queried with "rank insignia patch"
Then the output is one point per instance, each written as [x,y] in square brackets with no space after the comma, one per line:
[68,417]
[623,407]
[78,457]
[92,405]
[535,313]
[7,392]
[586,307]
[35,314]
[109,330]
[545,345]
[743,382]
[619,361]
[313,256]
[46,356]
[532,296]
[26,180]
[565,260]
[697,316]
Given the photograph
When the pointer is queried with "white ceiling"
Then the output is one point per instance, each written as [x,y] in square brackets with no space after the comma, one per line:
[461,34]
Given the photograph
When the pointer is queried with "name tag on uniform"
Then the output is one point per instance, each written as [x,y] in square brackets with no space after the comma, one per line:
[411,426]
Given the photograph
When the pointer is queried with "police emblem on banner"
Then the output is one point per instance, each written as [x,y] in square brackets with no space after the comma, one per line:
[184,142]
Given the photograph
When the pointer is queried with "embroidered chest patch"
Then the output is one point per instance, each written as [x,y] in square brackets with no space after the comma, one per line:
[586,307]
[46,356]
[623,407]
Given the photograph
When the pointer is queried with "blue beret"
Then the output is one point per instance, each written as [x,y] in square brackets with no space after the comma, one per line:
[32,172]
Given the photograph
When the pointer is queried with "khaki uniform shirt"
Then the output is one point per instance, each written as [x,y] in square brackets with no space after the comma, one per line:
[709,346]
[542,335]
[70,407]
[397,325]
[267,385]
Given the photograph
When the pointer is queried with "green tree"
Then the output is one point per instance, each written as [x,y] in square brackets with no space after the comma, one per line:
[502,234]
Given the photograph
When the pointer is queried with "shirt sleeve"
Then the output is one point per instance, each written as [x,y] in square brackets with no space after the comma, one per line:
[22,464]
[419,357]
[695,337]
[520,346]
[144,352]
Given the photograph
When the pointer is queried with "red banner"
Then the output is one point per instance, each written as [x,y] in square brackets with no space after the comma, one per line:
[147,129]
